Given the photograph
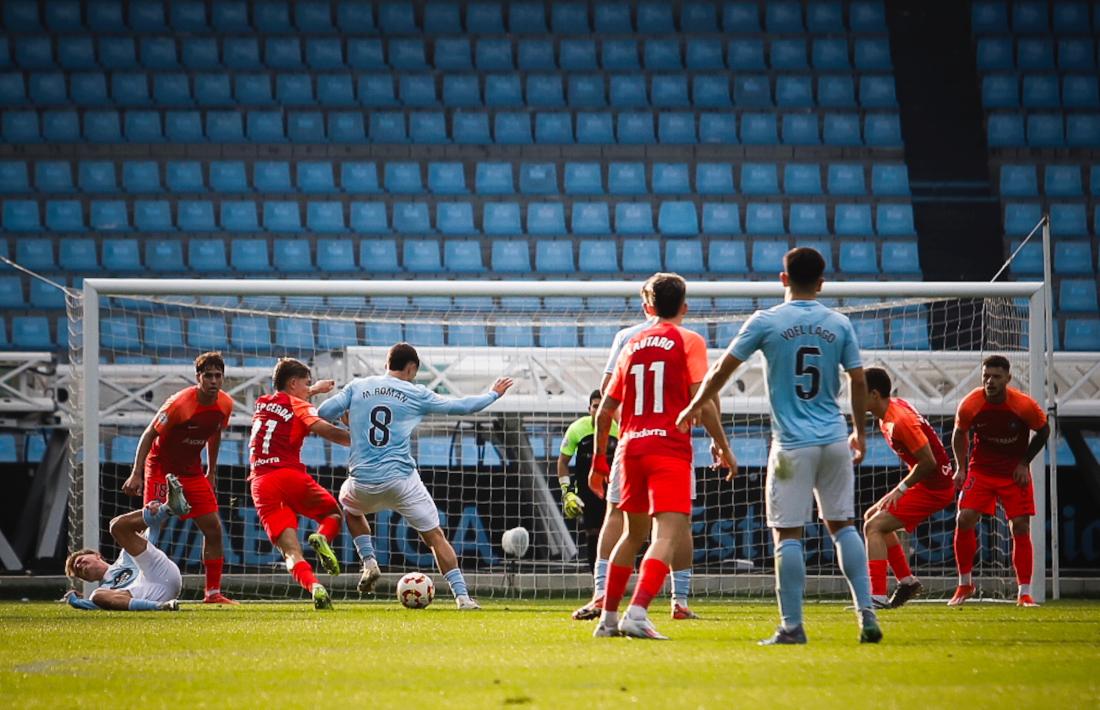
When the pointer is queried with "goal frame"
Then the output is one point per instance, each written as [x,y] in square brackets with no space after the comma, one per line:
[1040,361]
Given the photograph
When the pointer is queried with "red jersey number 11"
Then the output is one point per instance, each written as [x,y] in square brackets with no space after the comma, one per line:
[658,369]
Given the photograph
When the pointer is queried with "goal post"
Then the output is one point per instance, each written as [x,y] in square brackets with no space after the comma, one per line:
[132,339]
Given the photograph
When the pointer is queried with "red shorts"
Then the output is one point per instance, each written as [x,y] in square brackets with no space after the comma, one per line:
[196,487]
[284,494]
[656,484]
[920,502]
[981,492]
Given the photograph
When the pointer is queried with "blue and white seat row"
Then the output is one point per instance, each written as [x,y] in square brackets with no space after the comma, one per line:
[1067,219]
[1070,258]
[187,177]
[1040,91]
[114,53]
[466,127]
[363,17]
[1043,130]
[1033,17]
[1036,54]
[1059,180]
[674,217]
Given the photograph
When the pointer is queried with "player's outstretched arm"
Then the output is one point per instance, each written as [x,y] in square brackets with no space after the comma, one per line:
[857,395]
[468,405]
[717,377]
[135,482]
[333,433]
[336,406]
[321,387]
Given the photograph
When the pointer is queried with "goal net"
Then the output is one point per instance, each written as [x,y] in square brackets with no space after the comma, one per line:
[495,470]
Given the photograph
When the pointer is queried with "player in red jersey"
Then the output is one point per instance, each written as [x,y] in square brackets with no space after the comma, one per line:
[927,488]
[995,466]
[281,488]
[657,374]
[189,420]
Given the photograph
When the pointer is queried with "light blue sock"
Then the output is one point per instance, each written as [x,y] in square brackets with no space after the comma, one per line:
[81,603]
[600,576]
[681,586]
[155,522]
[457,582]
[364,546]
[852,556]
[142,605]
[790,581]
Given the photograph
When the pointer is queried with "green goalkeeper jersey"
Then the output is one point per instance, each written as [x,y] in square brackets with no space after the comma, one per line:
[580,440]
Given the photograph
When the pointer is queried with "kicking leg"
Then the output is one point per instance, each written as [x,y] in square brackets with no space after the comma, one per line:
[300,569]
[321,541]
[447,561]
[360,532]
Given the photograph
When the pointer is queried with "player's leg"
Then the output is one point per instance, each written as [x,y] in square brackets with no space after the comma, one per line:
[300,568]
[270,496]
[1023,557]
[788,499]
[416,505]
[610,532]
[681,574]
[879,531]
[356,504]
[621,566]
[311,500]
[978,498]
[668,530]
[213,557]
[447,561]
[160,582]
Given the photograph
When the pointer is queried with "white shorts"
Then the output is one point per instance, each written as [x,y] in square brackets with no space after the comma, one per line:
[614,492]
[797,476]
[407,496]
[160,578]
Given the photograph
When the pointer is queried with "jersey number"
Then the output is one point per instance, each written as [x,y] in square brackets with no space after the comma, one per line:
[380,418]
[807,369]
[269,426]
[658,370]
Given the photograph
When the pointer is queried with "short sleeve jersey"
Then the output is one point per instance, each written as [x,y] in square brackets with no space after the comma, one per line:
[907,432]
[183,426]
[619,341]
[805,345]
[999,432]
[653,380]
[280,423]
[123,574]
[579,441]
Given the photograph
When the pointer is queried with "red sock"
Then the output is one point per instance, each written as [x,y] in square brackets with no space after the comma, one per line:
[877,568]
[966,544]
[303,574]
[213,575]
[330,528]
[1022,557]
[649,585]
[899,561]
[617,578]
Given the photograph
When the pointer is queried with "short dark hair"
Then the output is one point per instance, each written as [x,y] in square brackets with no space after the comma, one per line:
[804,266]
[401,355]
[665,292]
[70,570]
[286,369]
[212,359]
[596,394]
[878,380]
[997,361]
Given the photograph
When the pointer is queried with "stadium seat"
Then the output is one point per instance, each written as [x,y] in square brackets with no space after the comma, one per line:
[727,256]
[541,178]
[1082,334]
[416,90]
[470,128]
[1059,181]
[836,91]
[1077,296]
[858,258]
[53,176]
[214,90]
[1076,53]
[249,256]
[164,255]
[808,219]
[64,216]
[635,128]
[22,216]
[282,216]
[794,92]
[240,216]
[377,255]
[909,333]
[721,218]
[424,334]
[510,257]
[1005,130]
[788,55]
[842,129]
[677,219]
[662,55]
[36,254]
[411,218]
[14,177]
[583,179]
[1079,92]
[336,335]
[626,179]
[634,218]
[141,177]
[1021,217]
[22,127]
[542,91]
[900,258]
[47,88]
[45,296]
[758,129]
[587,91]
[462,256]
[764,219]
[501,219]
[292,256]
[802,179]
[594,128]
[494,55]
[671,179]
[889,180]
[767,256]
[1082,130]
[846,179]
[346,127]
[714,179]
[554,128]
[402,178]
[491,179]
[359,178]
[109,216]
[11,292]
[512,129]
[1068,219]
[995,54]
[545,219]
[759,179]
[598,256]
[684,256]
[1073,258]
[325,217]
[185,176]
[1045,131]
[641,256]
[455,218]
[854,220]
[154,216]
[207,255]
[388,127]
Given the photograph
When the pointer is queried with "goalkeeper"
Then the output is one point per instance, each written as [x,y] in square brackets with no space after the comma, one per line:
[579,500]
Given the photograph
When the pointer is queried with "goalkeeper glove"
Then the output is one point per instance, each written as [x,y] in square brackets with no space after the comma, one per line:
[571,504]
[597,478]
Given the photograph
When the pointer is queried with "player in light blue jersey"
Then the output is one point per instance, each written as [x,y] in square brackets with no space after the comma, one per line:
[805,345]
[142,578]
[383,411]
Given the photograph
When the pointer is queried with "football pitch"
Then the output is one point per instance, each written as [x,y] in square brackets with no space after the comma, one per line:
[530,653]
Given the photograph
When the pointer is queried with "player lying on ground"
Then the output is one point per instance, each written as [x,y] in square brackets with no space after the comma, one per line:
[281,488]
[142,578]
[805,346]
[658,372]
[927,488]
[189,420]
[382,475]
[612,527]
[993,466]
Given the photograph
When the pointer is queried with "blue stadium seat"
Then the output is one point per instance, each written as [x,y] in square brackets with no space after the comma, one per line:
[53,176]
[1041,91]
[117,53]
[501,219]
[467,335]
[697,16]
[214,90]
[416,90]
[200,54]
[619,55]
[447,178]
[207,255]
[366,54]
[995,54]
[1080,92]
[250,333]
[900,258]
[987,16]
[12,89]
[829,54]
[34,52]
[1082,130]
[752,91]
[628,91]
[31,333]
[292,256]
[792,91]
[388,127]
[594,128]
[783,16]
[710,92]
[671,179]
[45,296]
[63,16]
[1005,130]
[767,256]
[1082,334]
[164,255]
[634,218]
[492,179]
[545,219]
[635,128]
[510,257]
[359,178]
[186,127]
[741,16]
[1028,17]
[336,335]
[47,88]
[1076,53]
[462,256]
[541,179]
[527,18]
[655,17]
[598,256]
[424,334]
[382,334]
[378,255]
[867,16]
[512,128]
[185,176]
[759,179]
[145,127]
[325,217]
[554,128]
[858,258]
[484,18]
[11,292]
[764,218]
[721,218]
[808,220]
[109,216]
[576,54]
[239,216]
[1021,217]
[282,216]
[402,178]
[788,54]
[64,216]
[626,179]
[669,91]
[1070,17]
[598,336]
[801,129]
[346,127]
[842,129]
[543,91]
[282,52]
[1059,181]
[846,179]
[453,54]
[714,179]
[471,128]
[877,92]
[22,127]
[590,219]
[36,254]
[154,216]
[1068,219]
[1073,258]
[461,91]
[853,220]
[196,215]
[1077,296]
[22,216]
[130,89]
[889,180]
[315,177]
[493,55]
[678,219]
[1045,131]
[159,54]
[802,179]
[836,91]
[558,336]
[583,179]
[369,218]
[684,256]
[141,177]
[306,127]
[455,218]
[377,90]
[411,218]
[662,55]
[758,129]
[641,256]
[61,126]
[249,256]
[294,334]
[13,177]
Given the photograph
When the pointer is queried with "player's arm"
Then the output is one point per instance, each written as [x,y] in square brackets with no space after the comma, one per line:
[213,445]
[468,405]
[1022,473]
[605,415]
[925,468]
[111,599]
[333,433]
[134,483]
[960,447]
[321,387]
[571,504]
[712,422]
[857,396]
[717,377]
[333,408]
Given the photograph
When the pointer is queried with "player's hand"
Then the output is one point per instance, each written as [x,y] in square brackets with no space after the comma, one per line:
[858,445]
[725,458]
[598,475]
[1021,474]
[502,385]
[687,418]
[321,387]
[132,485]
[571,504]
[959,478]
[889,500]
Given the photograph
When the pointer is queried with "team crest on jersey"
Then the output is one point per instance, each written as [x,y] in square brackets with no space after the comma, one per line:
[162,418]
[122,578]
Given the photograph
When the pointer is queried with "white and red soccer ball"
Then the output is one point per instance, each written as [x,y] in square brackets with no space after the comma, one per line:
[415,590]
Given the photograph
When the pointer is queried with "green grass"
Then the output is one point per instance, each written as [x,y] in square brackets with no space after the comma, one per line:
[380,655]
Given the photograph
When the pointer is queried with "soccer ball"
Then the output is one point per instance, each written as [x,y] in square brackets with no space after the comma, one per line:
[415,590]
[515,542]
